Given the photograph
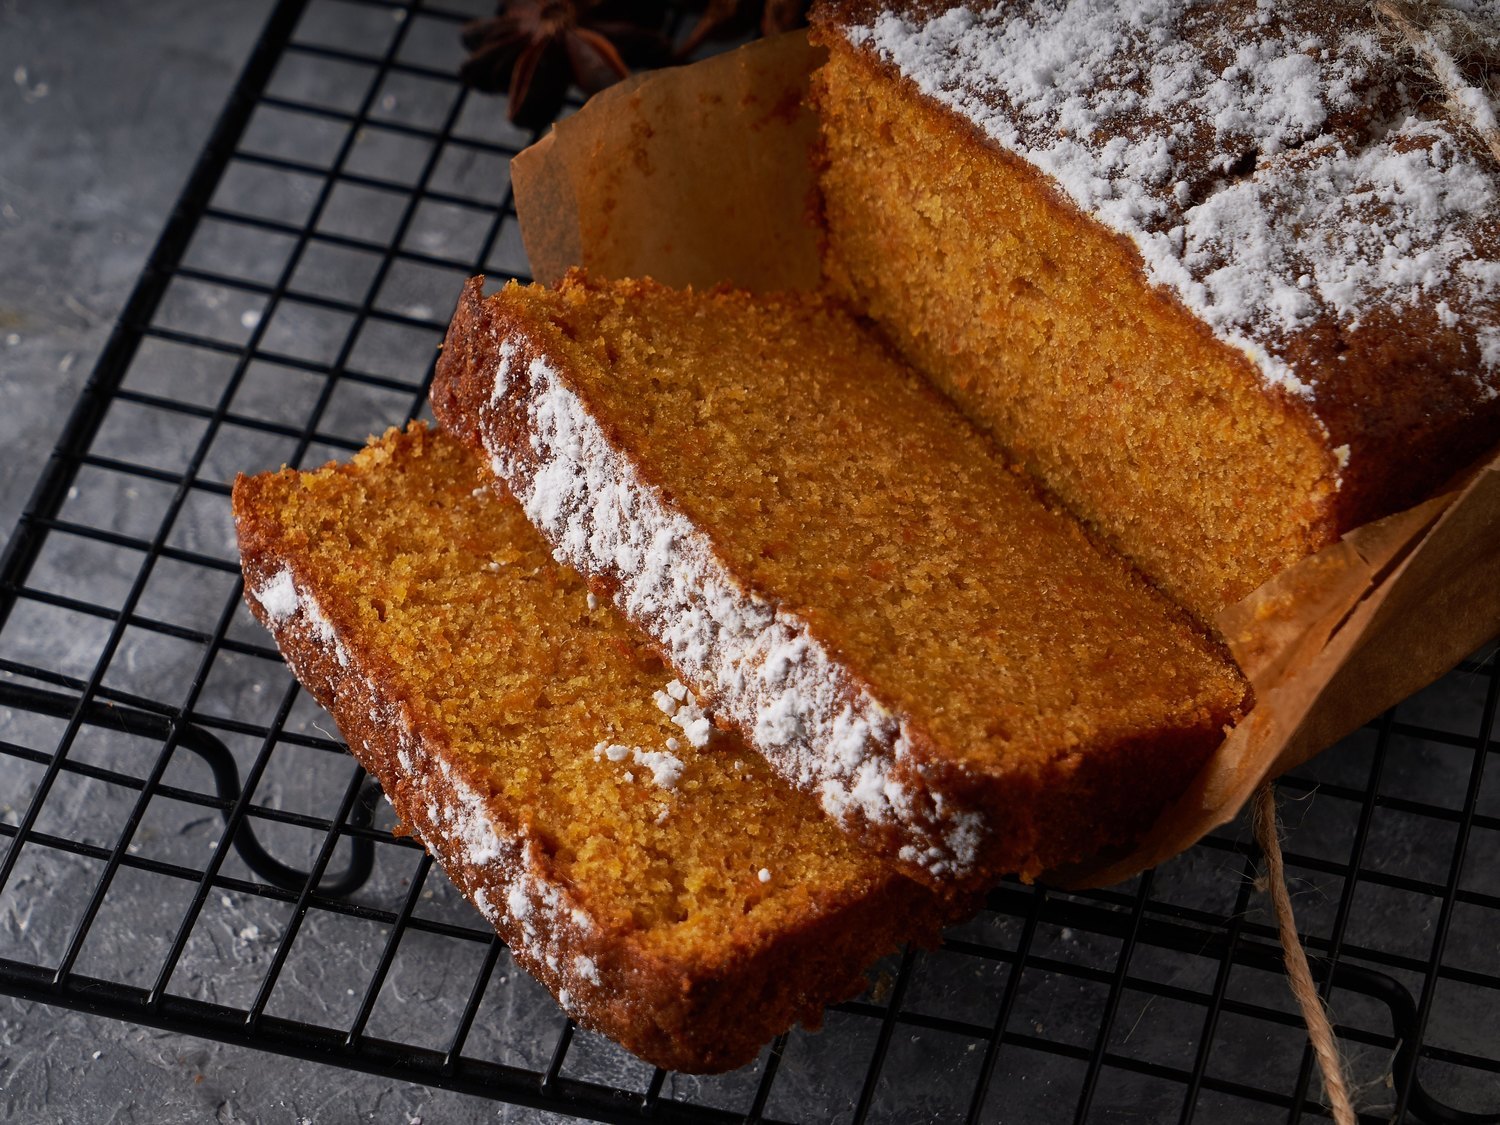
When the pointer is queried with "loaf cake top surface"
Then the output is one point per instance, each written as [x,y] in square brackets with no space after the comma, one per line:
[1285,170]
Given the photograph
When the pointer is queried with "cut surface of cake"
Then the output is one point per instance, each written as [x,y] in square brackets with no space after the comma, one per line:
[850,573]
[658,879]
[1216,273]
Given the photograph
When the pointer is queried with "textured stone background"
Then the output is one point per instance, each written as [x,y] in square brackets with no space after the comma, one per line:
[103,107]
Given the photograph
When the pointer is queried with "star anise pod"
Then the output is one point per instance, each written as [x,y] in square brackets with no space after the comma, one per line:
[735,17]
[533,49]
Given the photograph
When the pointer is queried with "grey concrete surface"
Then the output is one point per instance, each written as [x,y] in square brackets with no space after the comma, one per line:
[103,107]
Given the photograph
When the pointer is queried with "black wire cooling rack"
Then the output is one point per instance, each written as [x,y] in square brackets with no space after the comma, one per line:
[188,845]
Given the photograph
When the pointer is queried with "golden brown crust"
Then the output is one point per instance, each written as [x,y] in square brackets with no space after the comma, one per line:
[708,1012]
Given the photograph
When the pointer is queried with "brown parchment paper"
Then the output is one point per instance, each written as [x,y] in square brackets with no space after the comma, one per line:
[701,175]
[692,176]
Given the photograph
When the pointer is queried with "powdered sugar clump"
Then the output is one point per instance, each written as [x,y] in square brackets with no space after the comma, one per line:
[1268,160]
[666,767]
[678,703]
[278,596]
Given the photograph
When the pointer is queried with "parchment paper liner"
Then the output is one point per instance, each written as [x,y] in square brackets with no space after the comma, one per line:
[701,175]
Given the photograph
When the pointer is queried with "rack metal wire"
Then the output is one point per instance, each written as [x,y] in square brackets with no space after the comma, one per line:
[172,805]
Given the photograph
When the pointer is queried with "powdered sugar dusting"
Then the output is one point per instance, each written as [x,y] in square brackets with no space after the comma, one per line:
[1489,346]
[452,818]
[502,371]
[323,627]
[757,662]
[278,596]
[544,915]
[284,601]
[1270,161]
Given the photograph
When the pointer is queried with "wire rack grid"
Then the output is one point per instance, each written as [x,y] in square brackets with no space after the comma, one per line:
[188,845]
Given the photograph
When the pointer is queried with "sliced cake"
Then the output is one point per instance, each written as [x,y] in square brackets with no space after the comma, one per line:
[842,567]
[668,889]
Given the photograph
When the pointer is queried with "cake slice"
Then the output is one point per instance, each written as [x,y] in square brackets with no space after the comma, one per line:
[1224,276]
[843,567]
[659,880]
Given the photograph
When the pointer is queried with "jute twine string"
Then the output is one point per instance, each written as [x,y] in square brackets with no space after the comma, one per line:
[1457,51]
[1319,1031]
[1459,54]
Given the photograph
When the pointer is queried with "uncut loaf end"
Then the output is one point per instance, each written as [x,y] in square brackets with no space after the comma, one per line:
[1224,276]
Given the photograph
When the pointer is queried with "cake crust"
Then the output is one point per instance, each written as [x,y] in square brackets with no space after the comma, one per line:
[696,1010]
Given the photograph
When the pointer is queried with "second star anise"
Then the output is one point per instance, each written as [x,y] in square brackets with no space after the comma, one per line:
[533,50]
[735,17]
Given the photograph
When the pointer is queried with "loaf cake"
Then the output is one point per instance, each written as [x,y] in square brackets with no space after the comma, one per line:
[1224,276]
[651,872]
[843,567]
